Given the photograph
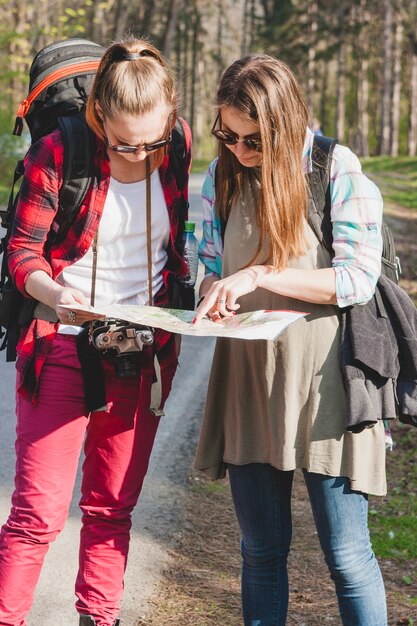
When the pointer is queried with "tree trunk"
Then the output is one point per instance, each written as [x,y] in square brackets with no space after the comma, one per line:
[386,95]
[396,88]
[311,82]
[18,49]
[178,51]
[175,7]
[252,25]
[194,63]
[147,17]
[98,21]
[185,67]
[363,103]
[363,81]
[341,90]
[323,98]
[219,52]
[245,28]
[120,19]
[267,6]
[412,129]
[199,116]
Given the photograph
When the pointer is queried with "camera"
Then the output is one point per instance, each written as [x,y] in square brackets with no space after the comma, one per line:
[122,343]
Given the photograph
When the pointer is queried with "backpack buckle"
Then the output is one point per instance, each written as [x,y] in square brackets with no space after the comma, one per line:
[398,269]
[18,126]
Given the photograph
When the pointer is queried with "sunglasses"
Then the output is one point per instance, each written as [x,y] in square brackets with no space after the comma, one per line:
[148,147]
[231,139]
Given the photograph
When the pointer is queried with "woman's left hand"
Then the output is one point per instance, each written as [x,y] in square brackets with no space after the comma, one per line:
[220,300]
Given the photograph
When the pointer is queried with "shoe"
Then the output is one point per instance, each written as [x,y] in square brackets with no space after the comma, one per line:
[88,620]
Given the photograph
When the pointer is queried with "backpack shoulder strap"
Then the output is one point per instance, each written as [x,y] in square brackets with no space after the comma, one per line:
[177,155]
[319,183]
[178,149]
[78,173]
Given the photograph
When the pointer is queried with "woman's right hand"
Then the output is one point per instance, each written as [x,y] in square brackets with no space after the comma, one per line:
[220,300]
[68,295]
[43,288]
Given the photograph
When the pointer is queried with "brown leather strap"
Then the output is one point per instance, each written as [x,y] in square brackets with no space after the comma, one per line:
[94,272]
[149,228]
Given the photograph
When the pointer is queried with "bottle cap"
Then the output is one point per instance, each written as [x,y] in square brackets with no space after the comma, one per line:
[189,227]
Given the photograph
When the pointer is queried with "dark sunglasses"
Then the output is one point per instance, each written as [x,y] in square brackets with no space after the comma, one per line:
[148,147]
[231,139]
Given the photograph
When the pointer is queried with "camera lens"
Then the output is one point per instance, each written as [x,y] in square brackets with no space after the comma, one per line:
[127,365]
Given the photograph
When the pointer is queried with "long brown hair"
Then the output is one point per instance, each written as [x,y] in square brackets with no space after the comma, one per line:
[132,78]
[265,91]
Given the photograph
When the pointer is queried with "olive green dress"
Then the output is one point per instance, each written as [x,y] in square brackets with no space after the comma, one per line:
[283,402]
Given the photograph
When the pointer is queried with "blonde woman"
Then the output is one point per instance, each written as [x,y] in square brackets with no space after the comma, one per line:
[273,408]
[132,110]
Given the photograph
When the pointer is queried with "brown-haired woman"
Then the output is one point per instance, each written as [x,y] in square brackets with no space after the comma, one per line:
[132,110]
[276,407]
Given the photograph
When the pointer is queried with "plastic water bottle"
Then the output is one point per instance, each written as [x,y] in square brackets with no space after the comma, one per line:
[190,253]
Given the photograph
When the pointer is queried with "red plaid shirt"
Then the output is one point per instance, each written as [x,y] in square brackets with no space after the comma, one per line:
[35,213]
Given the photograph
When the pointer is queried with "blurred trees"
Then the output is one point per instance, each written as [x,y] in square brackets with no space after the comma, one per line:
[356,59]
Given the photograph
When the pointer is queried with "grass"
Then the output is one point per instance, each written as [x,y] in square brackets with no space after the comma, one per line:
[393,520]
[200,166]
[396,177]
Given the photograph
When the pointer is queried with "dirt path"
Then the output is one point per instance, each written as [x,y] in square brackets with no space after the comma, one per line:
[201,588]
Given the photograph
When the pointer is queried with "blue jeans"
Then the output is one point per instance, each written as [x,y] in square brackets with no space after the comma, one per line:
[262,499]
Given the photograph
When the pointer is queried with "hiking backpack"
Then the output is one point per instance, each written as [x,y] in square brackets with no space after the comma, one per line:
[60,79]
[319,216]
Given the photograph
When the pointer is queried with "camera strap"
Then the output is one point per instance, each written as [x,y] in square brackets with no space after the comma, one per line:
[94,270]
[149,228]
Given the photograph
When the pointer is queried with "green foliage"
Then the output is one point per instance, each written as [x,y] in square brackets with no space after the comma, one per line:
[11,149]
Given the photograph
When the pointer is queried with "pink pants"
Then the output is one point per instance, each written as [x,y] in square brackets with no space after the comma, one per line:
[49,439]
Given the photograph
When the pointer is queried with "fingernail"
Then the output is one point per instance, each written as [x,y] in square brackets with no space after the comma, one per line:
[233,312]
[195,320]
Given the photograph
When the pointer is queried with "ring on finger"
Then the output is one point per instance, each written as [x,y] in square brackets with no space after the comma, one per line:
[221,301]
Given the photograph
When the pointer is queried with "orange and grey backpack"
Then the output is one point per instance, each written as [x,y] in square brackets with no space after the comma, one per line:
[60,78]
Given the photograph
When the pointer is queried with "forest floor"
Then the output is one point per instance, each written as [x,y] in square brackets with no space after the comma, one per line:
[202,585]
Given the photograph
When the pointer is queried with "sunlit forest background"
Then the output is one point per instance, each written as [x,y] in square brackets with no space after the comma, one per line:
[356,59]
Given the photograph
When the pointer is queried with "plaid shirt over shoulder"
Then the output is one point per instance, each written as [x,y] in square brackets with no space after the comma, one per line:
[35,212]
